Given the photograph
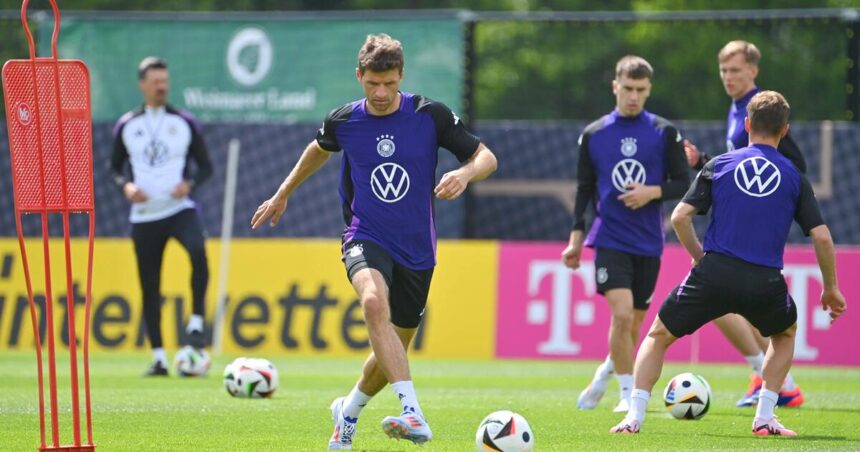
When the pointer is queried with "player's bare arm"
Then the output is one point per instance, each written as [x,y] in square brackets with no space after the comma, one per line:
[312,159]
[573,252]
[682,221]
[478,167]
[832,299]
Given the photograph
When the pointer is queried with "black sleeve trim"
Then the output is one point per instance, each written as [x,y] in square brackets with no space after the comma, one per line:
[586,186]
[451,133]
[119,156]
[197,151]
[327,134]
[791,151]
[703,159]
[808,213]
[699,194]
[677,171]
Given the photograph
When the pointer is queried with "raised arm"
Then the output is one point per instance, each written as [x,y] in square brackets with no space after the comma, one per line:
[312,159]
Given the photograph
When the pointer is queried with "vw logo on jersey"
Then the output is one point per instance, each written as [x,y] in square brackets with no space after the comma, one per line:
[24,113]
[626,172]
[757,176]
[245,72]
[156,153]
[390,182]
[628,146]
[385,145]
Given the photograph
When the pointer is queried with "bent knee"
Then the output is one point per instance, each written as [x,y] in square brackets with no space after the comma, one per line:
[660,333]
[788,333]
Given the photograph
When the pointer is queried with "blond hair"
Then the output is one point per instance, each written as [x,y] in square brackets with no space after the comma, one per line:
[747,49]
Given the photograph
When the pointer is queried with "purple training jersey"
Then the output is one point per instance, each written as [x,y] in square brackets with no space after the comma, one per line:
[388,172]
[754,194]
[615,152]
[736,133]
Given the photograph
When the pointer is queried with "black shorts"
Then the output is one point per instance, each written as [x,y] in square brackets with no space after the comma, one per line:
[407,288]
[720,285]
[615,269]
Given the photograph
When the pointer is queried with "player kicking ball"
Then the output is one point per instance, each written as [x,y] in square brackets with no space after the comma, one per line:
[390,140]
[755,193]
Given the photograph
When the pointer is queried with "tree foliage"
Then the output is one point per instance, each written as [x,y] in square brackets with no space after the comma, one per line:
[562,70]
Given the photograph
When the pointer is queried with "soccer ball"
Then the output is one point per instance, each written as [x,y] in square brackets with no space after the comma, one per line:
[191,362]
[504,431]
[251,378]
[687,396]
[230,376]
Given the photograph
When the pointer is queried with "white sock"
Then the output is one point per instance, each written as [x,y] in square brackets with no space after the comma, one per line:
[766,402]
[625,381]
[638,403]
[195,323]
[354,402]
[159,355]
[788,384]
[605,370]
[405,391]
[756,361]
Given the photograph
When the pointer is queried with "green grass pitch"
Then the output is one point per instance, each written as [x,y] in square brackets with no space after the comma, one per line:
[134,413]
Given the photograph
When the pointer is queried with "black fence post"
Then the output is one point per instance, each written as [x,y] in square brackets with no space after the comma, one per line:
[469,226]
[852,75]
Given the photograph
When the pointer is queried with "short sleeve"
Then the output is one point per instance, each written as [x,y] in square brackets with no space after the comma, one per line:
[699,193]
[451,133]
[327,134]
[808,213]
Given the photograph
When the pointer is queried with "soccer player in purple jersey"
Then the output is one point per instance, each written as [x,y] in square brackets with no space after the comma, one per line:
[390,140]
[755,193]
[630,160]
[738,62]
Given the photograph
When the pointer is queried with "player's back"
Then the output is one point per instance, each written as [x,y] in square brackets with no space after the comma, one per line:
[755,192]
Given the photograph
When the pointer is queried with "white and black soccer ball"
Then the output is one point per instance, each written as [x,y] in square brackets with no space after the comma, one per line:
[504,431]
[251,378]
[687,396]
[230,376]
[191,362]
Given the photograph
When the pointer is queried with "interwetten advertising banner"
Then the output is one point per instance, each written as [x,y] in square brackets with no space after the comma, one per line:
[284,297]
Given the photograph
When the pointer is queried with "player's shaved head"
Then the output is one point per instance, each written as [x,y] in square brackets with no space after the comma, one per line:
[380,53]
[749,51]
[768,112]
[634,67]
